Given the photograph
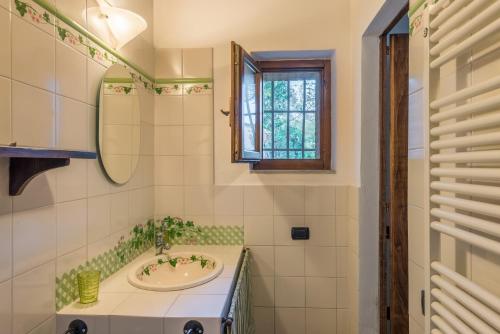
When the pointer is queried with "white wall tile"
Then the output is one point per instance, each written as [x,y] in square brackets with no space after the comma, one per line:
[5,37]
[290,291]
[47,327]
[197,63]
[258,230]
[344,322]
[416,182]
[33,298]
[341,201]
[72,124]
[321,230]
[97,183]
[71,226]
[416,229]
[321,261]
[262,260]
[264,320]
[6,306]
[5,111]
[342,230]
[416,279]
[169,200]
[258,200]
[198,140]
[228,200]
[73,9]
[41,191]
[321,321]
[263,291]
[168,63]
[289,200]
[71,72]
[169,140]
[72,181]
[119,211]
[33,118]
[71,260]
[283,229]
[198,109]
[289,261]
[320,200]
[198,170]
[321,292]
[34,238]
[5,247]
[168,110]
[198,200]
[27,41]
[290,320]
[95,73]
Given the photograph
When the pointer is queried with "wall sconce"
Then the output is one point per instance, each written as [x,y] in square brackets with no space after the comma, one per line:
[117,26]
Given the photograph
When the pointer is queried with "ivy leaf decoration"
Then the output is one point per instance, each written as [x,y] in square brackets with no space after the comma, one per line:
[80,39]
[62,33]
[193,258]
[21,8]
[146,271]
[127,89]
[161,261]
[46,17]
[92,51]
[203,262]
[173,262]
[158,90]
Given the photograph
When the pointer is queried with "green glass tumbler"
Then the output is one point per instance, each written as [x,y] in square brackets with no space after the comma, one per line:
[88,286]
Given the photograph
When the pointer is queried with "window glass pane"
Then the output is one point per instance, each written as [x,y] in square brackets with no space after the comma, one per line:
[281,95]
[296,132]
[267,130]
[310,131]
[268,95]
[296,95]
[280,130]
[295,155]
[290,126]
[280,155]
[310,155]
[311,95]
[248,109]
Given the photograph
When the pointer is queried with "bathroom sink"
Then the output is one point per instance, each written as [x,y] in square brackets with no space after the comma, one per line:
[175,271]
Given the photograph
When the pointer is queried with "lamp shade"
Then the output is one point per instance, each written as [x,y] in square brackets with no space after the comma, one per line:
[117,26]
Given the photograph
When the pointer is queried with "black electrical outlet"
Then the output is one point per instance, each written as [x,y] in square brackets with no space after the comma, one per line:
[300,233]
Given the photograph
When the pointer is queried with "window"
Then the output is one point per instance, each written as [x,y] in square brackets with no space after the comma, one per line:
[280,115]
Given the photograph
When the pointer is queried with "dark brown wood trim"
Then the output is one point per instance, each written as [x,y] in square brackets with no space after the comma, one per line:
[399,183]
[383,206]
[324,163]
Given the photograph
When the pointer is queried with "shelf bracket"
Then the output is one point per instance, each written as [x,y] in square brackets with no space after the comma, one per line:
[23,170]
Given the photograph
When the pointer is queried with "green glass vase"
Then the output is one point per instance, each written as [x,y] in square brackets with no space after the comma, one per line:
[88,286]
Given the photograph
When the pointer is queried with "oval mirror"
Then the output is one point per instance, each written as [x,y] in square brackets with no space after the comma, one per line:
[119,124]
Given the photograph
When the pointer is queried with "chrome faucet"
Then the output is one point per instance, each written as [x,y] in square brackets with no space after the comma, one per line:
[160,244]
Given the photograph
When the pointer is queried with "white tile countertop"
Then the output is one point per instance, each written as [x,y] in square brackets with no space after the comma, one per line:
[124,309]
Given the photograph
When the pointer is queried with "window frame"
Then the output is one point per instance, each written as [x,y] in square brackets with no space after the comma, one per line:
[240,58]
[323,66]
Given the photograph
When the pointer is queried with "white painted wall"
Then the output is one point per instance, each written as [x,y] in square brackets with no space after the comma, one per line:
[265,26]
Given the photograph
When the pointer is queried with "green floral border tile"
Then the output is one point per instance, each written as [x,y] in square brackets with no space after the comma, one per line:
[114,259]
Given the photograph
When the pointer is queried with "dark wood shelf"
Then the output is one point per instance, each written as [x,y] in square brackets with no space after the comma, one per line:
[27,162]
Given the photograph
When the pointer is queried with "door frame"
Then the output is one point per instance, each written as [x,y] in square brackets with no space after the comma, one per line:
[393,203]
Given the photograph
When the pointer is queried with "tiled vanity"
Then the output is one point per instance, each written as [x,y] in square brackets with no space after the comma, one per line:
[125,309]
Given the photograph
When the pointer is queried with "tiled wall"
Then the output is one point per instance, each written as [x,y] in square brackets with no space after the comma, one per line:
[48,90]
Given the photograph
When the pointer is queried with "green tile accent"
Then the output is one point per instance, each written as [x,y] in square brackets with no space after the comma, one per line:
[183,80]
[110,262]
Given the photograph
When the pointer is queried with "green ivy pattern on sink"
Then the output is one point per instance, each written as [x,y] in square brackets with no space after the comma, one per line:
[142,239]
[174,261]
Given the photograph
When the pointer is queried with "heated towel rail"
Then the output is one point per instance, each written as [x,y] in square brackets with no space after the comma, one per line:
[463,163]
[239,316]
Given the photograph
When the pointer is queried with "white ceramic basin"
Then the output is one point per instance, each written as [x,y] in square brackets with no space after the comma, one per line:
[175,271]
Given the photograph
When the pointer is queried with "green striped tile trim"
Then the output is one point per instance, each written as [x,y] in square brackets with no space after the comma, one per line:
[215,235]
[183,81]
[118,80]
[109,262]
